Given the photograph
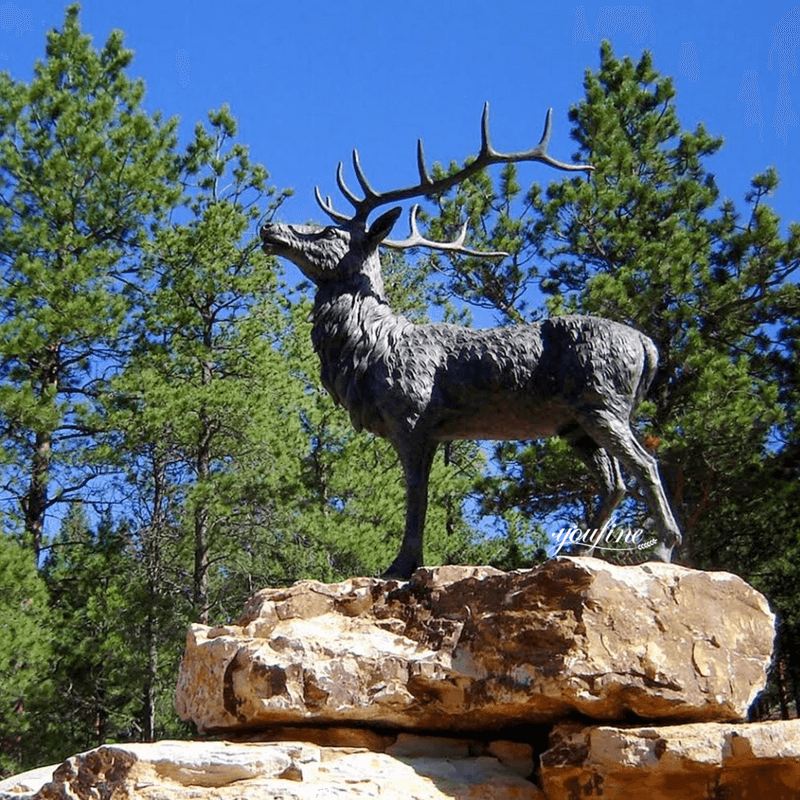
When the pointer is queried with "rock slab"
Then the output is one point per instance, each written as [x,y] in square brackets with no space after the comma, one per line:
[270,771]
[698,761]
[711,760]
[474,648]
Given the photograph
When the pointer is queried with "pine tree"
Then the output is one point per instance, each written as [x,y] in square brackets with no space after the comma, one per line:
[25,658]
[646,242]
[98,617]
[204,407]
[83,170]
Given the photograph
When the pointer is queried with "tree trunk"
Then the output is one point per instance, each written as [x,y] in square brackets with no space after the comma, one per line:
[200,580]
[34,503]
[44,369]
[152,552]
[201,512]
[783,688]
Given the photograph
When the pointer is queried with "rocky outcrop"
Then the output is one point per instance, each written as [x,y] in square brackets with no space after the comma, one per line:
[468,683]
[276,771]
[711,760]
[699,761]
[467,649]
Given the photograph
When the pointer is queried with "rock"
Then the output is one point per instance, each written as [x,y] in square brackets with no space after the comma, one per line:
[518,756]
[515,755]
[26,784]
[706,760]
[473,648]
[334,736]
[271,771]
[337,691]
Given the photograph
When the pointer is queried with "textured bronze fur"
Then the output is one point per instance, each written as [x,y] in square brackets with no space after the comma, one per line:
[419,385]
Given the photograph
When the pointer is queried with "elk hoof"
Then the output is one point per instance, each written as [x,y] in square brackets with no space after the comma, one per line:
[400,569]
[662,553]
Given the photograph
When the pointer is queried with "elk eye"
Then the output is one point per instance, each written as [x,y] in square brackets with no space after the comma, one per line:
[323,233]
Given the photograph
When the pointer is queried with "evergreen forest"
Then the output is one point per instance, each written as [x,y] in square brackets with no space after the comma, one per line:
[166,448]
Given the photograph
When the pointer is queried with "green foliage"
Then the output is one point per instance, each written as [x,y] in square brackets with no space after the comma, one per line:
[205,395]
[24,658]
[83,172]
[92,577]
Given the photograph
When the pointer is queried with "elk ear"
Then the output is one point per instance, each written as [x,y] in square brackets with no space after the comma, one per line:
[382,226]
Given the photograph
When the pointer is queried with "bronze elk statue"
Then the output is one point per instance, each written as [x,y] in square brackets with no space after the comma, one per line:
[579,377]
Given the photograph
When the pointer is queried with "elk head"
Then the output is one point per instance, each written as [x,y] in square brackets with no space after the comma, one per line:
[334,254]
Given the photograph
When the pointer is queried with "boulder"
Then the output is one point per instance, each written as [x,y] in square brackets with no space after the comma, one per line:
[24,785]
[711,760]
[473,648]
[276,771]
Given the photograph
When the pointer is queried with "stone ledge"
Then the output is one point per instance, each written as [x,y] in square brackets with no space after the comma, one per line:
[685,762]
[273,771]
[473,648]
[676,762]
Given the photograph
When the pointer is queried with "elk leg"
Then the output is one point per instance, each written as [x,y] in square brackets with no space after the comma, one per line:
[417,459]
[617,438]
[606,470]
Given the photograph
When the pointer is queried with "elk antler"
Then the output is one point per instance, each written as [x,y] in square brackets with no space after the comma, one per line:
[428,186]
[456,246]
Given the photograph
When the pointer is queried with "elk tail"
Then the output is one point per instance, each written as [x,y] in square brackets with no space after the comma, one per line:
[649,367]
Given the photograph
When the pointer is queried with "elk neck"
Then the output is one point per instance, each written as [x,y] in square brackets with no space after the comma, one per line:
[354,329]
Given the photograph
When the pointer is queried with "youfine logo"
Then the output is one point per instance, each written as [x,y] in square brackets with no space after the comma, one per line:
[612,537]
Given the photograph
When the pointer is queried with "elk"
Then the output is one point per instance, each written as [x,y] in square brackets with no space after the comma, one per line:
[579,377]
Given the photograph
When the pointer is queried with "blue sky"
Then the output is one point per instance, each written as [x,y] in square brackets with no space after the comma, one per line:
[308,81]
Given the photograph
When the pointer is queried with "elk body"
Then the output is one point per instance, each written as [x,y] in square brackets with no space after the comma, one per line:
[581,378]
